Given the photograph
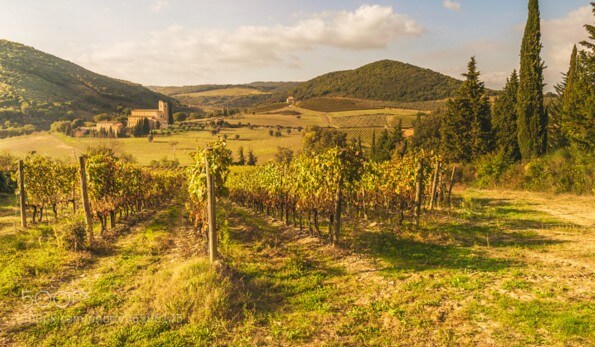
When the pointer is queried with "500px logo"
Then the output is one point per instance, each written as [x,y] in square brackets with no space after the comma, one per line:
[45,298]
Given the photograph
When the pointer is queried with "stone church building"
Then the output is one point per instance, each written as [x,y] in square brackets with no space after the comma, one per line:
[158,119]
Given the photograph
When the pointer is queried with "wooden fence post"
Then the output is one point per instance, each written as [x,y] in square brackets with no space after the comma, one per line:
[338,211]
[451,184]
[435,185]
[211,213]
[419,187]
[22,194]
[85,197]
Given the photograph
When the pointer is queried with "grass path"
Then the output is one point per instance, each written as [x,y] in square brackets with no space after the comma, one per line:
[571,208]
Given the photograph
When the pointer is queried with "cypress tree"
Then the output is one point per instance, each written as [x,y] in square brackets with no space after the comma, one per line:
[581,133]
[504,121]
[569,98]
[564,106]
[241,157]
[466,132]
[383,147]
[532,118]
[373,148]
[170,114]
[397,135]
[251,158]
[146,127]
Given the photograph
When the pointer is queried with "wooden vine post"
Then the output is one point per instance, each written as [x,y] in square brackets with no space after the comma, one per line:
[435,185]
[451,184]
[85,197]
[419,187]
[22,194]
[338,211]
[211,213]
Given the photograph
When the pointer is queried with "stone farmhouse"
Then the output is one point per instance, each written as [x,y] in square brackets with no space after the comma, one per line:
[114,127]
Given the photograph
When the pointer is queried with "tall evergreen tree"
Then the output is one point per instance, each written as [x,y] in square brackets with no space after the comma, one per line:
[146,127]
[383,147]
[241,157]
[170,114]
[466,132]
[532,118]
[581,131]
[504,119]
[564,105]
[569,98]
[252,159]
[373,148]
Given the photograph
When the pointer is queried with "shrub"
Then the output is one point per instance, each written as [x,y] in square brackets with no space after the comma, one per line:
[563,171]
[71,235]
[490,169]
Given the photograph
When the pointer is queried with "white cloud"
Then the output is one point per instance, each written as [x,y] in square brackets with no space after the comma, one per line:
[451,5]
[559,36]
[184,54]
[495,79]
[159,5]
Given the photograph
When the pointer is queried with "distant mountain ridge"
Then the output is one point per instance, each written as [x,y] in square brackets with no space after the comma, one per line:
[267,92]
[38,88]
[384,80]
[265,87]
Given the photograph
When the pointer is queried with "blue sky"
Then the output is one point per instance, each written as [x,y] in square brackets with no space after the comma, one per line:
[181,42]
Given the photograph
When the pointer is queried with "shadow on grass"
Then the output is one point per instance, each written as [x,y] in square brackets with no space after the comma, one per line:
[408,254]
[452,237]
[269,272]
[495,222]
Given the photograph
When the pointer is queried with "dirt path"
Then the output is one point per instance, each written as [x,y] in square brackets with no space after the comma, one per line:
[579,210]
[329,120]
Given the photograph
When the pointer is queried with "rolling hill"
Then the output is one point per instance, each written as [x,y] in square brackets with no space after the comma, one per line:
[230,95]
[388,82]
[384,80]
[39,88]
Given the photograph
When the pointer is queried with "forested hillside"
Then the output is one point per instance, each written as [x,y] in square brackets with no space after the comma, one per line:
[38,88]
[383,80]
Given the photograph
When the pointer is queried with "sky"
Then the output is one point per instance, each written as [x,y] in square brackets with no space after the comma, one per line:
[187,42]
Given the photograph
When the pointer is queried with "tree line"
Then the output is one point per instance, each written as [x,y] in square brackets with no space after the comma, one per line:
[519,126]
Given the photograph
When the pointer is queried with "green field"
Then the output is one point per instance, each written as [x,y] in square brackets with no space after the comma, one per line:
[179,145]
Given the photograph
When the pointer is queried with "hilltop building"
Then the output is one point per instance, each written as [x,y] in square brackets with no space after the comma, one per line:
[115,128]
[158,119]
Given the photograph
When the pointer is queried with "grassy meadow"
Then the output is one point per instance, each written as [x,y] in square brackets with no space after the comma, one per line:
[178,145]
[499,268]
